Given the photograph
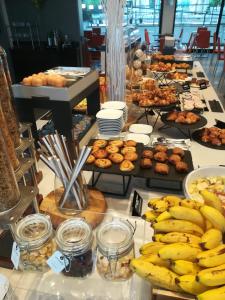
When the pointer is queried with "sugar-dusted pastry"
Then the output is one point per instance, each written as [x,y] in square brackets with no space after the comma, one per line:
[103,163]
[146,163]
[117,143]
[90,159]
[130,143]
[112,149]
[160,156]
[128,149]
[174,158]
[131,156]
[116,158]
[100,143]
[178,151]
[101,153]
[162,168]
[181,167]
[126,166]
[147,154]
[160,148]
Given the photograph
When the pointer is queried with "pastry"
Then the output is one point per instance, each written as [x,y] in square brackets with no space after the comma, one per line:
[131,156]
[90,159]
[126,166]
[146,163]
[128,149]
[116,158]
[160,156]
[183,117]
[213,135]
[117,143]
[160,148]
[130,143]
[181,167]
[101,153]
[103,163]
[94,149]
[100,143]
[174,158]
[112,149]
[178,151]
[162,168]
[147,154]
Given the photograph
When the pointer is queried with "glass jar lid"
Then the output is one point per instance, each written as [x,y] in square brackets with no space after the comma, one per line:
[33,230]
[74,236]
[115,238]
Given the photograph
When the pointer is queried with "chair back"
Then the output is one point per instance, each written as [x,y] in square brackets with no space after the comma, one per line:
[147,38]
[96,30]
[201,28]
[203,39]
[161,43]
[220,52]
[88,34]
[214,41]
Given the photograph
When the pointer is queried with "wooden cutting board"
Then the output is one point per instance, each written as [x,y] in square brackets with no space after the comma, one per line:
[93,214]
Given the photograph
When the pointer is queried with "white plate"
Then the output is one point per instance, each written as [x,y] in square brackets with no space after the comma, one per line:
[109,114]
[114,105]
[140,128]
[139,138]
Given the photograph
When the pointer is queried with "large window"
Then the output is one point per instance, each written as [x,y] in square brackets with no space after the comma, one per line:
[190,14]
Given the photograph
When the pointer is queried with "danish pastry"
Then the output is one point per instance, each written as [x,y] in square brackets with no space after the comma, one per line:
[131,156]
[101,153]
[117,143]
[103,163]
[94,149]
[181,167]
[160,156]
[162,168]
[178,151]
[174,158]
[130,143]
[128,149]
[100,143]
[90,159]
[160,148]
[116,158]
[126,166]
[147,154]
[146,163]
[112,149]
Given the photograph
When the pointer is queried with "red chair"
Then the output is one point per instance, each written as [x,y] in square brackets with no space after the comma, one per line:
[202,40]
[147,39]
[201,28]
[215,47]
[96,30]
[88,34]
[220,56]
[222,77]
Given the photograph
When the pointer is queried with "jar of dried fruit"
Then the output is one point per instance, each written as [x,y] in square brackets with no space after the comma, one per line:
[115,249]
[34,236]
[74,239]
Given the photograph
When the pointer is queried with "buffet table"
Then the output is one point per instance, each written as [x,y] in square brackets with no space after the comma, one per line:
[30,285]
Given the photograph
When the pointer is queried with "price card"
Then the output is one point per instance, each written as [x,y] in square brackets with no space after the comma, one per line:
[15,255]
[186,86]
[57,262]
[203,86]
[137,204]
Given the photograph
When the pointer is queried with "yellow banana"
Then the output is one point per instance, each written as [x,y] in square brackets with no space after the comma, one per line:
[211,199]
[172,200]
[163,216]
[156,237]
[153,201]
[180,237]
[179,226]
[155,259]
[188,214]
[160,206]
[149,216]
[179,251]
[190,203]
[183,267]
[208,225]
[214,216]
[221,267]
[215,294]
[213,277]
[158,276]
[212,258]
[151,248]
[211,239]
[190,285]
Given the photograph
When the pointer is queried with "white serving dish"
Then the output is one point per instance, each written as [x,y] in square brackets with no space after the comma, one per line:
[140,128]
[108,114]
[199,173]
[139,138]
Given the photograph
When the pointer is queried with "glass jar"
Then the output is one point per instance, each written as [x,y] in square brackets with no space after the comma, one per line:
[115,249]
[9,191]
[34,236]
[74,239]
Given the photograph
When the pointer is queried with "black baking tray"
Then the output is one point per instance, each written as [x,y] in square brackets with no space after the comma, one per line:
[197,137]
[200,74]
[115,168]
[202,122]
[173,180]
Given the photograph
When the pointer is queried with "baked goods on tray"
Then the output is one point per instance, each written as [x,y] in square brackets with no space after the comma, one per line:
[159,56]
[126,166]
[162,168]
[213,135]
[177,76]
[183,117]
[161,67]
[103,163]
[146,163]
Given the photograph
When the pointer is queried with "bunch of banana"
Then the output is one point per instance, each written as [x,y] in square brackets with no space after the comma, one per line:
[183,267]
[189,284]
[215,294]
[151,248]
[179,251]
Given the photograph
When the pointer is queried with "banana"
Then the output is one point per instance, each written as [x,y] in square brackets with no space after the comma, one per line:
[151,248]
[163,216]
[211,199]
[190,203]
[180,237]
[208,225]
[160,206]
[214,277]
[183,267]
[188,214]
[221,267]
[172,200]
[189,284]
[153,201]
[215,294]
[155,259]
[159,276]
[211,239]
[179,226]
[149,216]
[156,237]
[214,216]
[212,258]
[179,251]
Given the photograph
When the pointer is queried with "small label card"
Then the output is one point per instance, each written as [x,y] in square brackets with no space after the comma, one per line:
[203,86]
[137,204]
[57,262]
[186,86]
[15,255]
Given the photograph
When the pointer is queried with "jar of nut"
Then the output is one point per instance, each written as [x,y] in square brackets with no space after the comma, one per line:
[115,249]
[74,238]
[34,236]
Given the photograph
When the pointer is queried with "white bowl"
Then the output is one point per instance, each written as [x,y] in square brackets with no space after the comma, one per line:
[139,138]
[207,171]
[140,128]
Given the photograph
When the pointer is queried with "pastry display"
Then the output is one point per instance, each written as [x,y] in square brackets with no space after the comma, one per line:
[192,100]
[116,158]
[82,106]
[43,79]
[174,158]
[159,56]
[161,67]
[103,163]
[181,65]
[148,84]
[100,143]
[101,153]
[183,117]
[112,149]
[94,149]
[131,156]
[213,135]
[160,148]
[160,156]
[117,143]
[178,151]
[147,154]
[130,143]
[146,163]
[181,167]
[128,149]
[161,168]
[126,166]
[90,159]
[177,76]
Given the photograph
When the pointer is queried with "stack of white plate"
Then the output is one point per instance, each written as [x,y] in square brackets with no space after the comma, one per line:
[116,105]
[110,121]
